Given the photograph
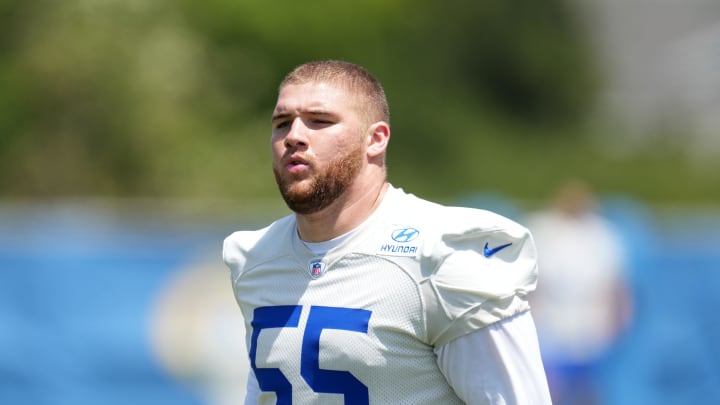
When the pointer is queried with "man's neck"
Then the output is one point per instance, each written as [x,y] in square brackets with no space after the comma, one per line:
[343,215]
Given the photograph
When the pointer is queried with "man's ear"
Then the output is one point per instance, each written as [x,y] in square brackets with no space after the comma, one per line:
[379,136]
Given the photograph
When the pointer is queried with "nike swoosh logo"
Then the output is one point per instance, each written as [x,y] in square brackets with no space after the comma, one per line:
[489,252]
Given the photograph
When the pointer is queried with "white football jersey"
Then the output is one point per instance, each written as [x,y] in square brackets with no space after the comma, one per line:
[358,325]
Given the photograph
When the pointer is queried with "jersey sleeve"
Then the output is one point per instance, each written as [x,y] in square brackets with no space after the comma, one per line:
[481,268]
[500,364]
[244,249]
[233,255]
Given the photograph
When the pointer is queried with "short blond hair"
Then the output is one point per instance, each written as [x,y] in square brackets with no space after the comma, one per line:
[356,79]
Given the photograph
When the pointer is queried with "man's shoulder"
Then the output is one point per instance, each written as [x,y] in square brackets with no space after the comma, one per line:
[238,245]
[461,219]
[279,226]
[451,219]
[479,265]
[416,226]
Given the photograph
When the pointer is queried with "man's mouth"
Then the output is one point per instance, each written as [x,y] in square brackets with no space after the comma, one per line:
[296,164]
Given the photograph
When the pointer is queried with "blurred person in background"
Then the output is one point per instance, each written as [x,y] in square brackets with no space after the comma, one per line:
[368,294]
[581,303]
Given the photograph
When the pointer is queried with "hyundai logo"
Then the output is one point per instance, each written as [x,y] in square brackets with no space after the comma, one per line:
[405,235]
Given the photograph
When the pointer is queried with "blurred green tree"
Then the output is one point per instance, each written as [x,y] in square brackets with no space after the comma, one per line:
[163,98]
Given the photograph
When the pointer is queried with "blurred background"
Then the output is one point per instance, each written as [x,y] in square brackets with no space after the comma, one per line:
[134,137]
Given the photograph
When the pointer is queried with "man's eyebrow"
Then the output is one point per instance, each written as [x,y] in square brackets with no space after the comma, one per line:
[311,111]
[280,116]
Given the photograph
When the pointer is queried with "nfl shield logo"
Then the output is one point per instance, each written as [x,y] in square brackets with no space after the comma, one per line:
[317,268]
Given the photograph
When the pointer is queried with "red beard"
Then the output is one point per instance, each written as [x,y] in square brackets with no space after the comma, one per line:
[324,188]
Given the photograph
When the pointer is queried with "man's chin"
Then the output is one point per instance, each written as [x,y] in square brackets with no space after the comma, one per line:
[298,187]
[295,190]
[301,203]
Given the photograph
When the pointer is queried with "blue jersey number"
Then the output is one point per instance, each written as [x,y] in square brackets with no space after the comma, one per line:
[320,318]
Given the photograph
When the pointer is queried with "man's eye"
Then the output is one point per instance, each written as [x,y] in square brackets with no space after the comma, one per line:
[282,124]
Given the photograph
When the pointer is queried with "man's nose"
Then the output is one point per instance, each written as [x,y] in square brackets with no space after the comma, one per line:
[297,134]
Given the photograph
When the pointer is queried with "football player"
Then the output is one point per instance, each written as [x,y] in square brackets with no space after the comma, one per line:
[368,294]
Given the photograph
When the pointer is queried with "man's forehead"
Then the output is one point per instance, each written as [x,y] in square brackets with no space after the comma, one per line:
[312,95]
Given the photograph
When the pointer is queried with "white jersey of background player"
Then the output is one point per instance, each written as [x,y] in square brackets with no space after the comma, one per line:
[370,295]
